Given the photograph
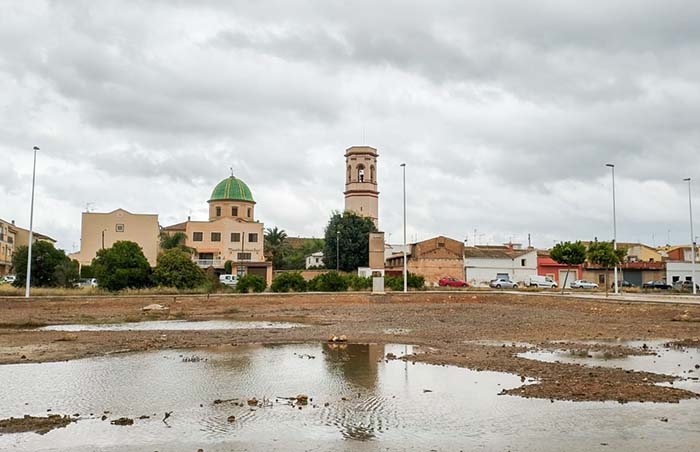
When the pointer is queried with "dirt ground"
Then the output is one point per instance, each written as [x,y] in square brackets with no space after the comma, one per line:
[474,330]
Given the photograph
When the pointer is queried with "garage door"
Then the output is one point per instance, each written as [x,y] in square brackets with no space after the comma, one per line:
[571,278]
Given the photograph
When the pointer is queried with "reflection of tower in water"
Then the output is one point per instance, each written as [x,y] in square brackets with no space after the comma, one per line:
[355,363]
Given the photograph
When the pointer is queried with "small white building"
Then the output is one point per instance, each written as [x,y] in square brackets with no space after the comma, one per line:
[681,271]
[485,263]
[314,260]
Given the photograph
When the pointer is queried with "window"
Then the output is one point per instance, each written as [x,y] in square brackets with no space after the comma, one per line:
[676,278]
[234,211]
[250,212]
[253,237]
[361,172]
[197,236]
[218,211]
[216,236]
[601,279]
[523,262]
[119,228]
[372,175]
[244,256]
[236,237]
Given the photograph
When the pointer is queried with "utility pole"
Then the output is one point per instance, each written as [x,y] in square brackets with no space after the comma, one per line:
[610,165]
[692,237]
[27,289]
[405,267]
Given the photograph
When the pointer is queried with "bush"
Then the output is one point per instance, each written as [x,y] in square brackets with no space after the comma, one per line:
[228,267]
[250,283]
[123,266]
[176,269]
[359,283]
[286,282]
[395,283]
[329,282]
[86,271]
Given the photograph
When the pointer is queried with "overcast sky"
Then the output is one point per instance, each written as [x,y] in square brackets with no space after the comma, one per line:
[505,112]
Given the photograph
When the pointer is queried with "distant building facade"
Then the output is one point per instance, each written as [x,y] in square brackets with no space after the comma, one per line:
[314,260]
[230,234]
[433,259]
[101,230]
[8,232]
[484,263]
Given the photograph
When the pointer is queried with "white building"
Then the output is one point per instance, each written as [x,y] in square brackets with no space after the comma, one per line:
[681,271]
[314,260]
[485,263]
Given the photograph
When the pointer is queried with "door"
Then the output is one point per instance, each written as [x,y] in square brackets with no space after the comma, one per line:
[571,278]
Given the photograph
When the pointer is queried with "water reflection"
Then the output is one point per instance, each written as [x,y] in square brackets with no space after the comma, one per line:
[357,401]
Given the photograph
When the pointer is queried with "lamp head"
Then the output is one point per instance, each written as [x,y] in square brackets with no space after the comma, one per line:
[610,165]
[687,179]
[36,148]
[403,165]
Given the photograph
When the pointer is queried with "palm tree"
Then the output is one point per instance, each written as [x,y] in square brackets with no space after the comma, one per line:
[275,244]
[176,240]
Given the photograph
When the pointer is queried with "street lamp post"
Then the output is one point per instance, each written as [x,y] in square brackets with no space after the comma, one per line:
[692,237]
[405,267]
[611,166]
[31,231]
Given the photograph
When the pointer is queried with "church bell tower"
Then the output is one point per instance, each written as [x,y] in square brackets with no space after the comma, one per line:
[361,194]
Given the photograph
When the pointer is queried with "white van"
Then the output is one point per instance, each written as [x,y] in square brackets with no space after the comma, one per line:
[228,280]
[542,281]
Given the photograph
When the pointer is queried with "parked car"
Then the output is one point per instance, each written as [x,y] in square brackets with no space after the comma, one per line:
[452,282]
[228,280]
[8,279]
[542,281]
[87,282]
[659,284]
[622,284]
[583,284]
[502,283]
[685,285]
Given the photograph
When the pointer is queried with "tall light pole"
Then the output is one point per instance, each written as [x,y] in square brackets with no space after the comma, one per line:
[692,237]
[31,231]
[405,267]
[611,166]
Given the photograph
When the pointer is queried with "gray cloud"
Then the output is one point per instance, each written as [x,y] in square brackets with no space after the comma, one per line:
[505,112]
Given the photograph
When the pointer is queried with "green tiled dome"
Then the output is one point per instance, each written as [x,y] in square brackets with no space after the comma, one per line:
[231,189]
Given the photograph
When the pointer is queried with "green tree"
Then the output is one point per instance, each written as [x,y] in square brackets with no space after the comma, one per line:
[570,254]
[605,255]
[329,282]
[122,266]
[50,266]
[250,283]
[289,281]
[351,233]
[228,267]
[86,271]
[67,273]
[275,245]
[175,268]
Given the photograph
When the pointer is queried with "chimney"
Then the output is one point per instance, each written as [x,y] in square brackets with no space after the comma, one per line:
[13,222]
[188,218]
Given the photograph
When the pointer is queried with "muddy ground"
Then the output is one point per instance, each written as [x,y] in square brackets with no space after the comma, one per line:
[460,328]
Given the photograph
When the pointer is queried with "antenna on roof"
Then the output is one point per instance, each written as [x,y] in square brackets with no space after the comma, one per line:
[231,168]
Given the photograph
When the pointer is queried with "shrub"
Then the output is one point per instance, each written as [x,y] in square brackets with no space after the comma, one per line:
[356,282]
[250,283]
[122,266]
[176,269]
[228,267]
[395,283]
[329,282]
[286,282]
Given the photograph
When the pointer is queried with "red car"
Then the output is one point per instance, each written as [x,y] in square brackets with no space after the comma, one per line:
[452,282]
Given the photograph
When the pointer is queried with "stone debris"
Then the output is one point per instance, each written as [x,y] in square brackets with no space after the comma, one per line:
[155,308]
[122,421]
[341,338]
[39,425]
[231,419]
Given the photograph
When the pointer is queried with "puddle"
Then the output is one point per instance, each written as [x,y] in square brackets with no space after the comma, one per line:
[389,405]
[491,343]
[677,361]
[173,325]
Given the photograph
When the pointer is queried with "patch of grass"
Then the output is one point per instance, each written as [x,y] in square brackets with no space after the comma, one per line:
[29,324]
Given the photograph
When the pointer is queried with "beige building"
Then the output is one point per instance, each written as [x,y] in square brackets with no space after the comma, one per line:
[361,194]
[8,233]
[102,230]
[230,234]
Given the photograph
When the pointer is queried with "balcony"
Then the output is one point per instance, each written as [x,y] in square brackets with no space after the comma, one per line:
[206,263]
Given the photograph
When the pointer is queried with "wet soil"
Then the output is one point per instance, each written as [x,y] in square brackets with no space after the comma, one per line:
[442,323]
[40,425]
